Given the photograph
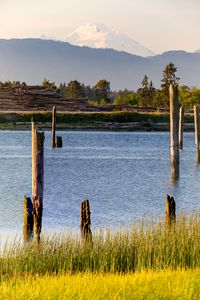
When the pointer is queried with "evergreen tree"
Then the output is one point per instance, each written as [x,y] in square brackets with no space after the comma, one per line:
[102,90]
[62,89]
[49,85]
[144,92]
[89,92]
[152,92]
[74,89]
[169,77]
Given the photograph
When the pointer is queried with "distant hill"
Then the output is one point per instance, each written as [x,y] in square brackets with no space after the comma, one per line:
[31,60]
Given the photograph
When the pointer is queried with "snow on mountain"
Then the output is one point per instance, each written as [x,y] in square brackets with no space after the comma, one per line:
[99,36]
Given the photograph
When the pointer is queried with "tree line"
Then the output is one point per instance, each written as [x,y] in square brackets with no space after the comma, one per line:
[146,96]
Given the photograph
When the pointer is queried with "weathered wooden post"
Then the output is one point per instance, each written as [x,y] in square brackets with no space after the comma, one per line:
[174,132]
[86,233]
[37,178]
[170,211]
[181,124]
[28,219]
[196,125]
[54,127]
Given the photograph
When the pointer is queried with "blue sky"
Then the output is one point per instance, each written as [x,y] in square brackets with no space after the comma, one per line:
[160,25]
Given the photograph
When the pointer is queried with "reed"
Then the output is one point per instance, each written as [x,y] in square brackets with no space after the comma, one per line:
[145,246]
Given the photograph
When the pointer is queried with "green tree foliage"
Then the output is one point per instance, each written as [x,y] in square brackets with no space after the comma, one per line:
[189,97]
[146,93]
[169,77]
[48,84]
[74,89]
[102,90]
[125,97]
[12,84]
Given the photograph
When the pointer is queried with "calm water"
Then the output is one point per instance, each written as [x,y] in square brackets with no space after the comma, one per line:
[124,175]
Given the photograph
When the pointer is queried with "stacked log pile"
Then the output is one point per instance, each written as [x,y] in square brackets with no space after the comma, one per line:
[37,98]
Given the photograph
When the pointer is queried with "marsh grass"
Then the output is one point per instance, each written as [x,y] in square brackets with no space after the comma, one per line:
[145,246]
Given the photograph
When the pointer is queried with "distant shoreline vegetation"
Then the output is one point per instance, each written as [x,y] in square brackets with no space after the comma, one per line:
[101,95]
[116,121]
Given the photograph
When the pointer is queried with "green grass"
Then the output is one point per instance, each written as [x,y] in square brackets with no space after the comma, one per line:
[145,285]
[146,261]
[145,246]
[84,118]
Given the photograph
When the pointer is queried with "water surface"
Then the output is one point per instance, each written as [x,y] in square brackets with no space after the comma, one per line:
[125,176]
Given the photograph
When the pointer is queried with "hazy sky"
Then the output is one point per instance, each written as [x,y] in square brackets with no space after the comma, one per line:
[160,25]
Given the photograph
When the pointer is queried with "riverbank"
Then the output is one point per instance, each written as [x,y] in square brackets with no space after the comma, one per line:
[112,121]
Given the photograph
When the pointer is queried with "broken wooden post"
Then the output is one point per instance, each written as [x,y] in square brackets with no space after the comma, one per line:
[54,127]
[181,124]
[37,178]
[28,219]
[174,136]
[170,211]
[86,233]
[58,142]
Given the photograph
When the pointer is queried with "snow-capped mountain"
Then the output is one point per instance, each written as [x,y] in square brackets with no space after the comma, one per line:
[99,36]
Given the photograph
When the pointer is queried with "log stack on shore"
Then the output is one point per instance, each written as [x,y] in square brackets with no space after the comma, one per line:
[38,98]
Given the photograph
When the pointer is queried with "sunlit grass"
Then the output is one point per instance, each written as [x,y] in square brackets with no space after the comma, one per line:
[148,245]
[145,285]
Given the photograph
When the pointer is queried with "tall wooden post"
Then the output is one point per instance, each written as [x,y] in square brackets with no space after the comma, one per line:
[85,222]
[37,178]
[196,125]
[170,211]
[28,219]
[174,132]
[54,127]
[181,124]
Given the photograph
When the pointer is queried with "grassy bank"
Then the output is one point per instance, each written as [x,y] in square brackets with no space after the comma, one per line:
[146,285]
[147,245]
[85,118]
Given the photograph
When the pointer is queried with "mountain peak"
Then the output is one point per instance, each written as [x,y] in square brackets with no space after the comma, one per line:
[96,35]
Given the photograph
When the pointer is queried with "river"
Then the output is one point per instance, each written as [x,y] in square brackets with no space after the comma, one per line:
[125,175]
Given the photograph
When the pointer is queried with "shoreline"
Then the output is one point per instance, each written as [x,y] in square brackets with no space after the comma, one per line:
[91,121]
[99,126]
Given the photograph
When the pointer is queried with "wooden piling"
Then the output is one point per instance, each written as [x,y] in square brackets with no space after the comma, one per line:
[37,179]
[28,219]
[196,125]
[58,142]
[54,127]
[170,211]
[85,222]
[174,131]
[181,124]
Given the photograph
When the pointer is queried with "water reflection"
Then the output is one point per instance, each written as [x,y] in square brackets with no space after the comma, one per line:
[197,156]
[174,155]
